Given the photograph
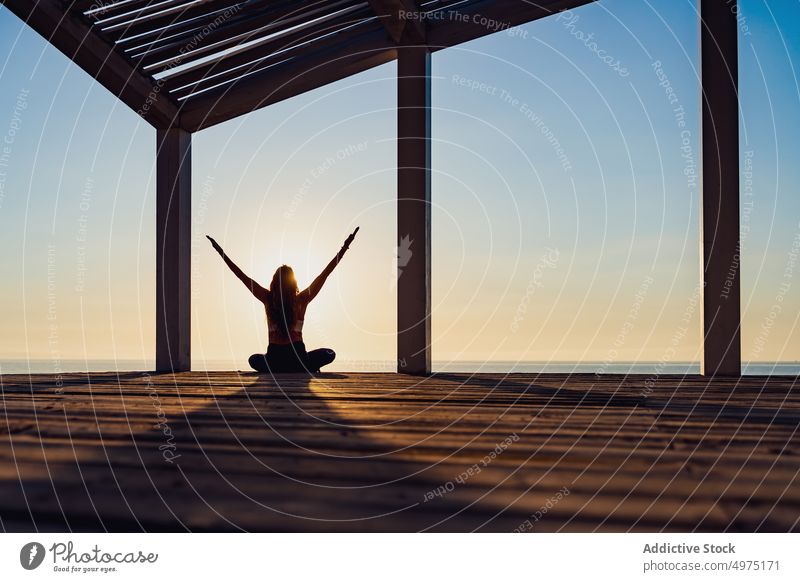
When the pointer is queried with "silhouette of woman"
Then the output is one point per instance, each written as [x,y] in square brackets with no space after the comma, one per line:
[286,309]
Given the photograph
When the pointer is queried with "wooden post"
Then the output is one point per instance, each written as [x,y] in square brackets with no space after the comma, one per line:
[414,210]
[720,194]
[173,249]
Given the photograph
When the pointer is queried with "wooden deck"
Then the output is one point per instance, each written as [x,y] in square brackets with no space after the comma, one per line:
[385,452]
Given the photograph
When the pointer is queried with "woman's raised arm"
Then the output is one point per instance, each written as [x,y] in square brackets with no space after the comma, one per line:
[316,286]
[257,290]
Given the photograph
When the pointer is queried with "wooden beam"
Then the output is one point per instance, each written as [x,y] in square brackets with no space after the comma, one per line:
[401,18]
[414,210]
[273,85]
[173,250]
[369,50]
[77,41]
[478,19]
[720,184]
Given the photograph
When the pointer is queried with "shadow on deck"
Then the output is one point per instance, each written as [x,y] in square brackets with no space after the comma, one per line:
[384,452]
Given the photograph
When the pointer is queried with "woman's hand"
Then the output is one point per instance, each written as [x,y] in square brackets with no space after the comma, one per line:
[350,239]
[216,246]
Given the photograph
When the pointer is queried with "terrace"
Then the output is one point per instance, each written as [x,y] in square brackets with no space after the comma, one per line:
[407,451]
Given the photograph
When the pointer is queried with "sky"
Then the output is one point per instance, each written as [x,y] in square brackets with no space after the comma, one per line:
[565,219]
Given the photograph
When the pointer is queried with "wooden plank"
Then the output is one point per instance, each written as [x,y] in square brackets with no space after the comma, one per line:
[338,470]
[205,434]
[414,210]
[720,189]
[746,389]
[98,58]
[173,250]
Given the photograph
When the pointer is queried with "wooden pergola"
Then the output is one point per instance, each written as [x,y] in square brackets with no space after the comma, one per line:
[185,65]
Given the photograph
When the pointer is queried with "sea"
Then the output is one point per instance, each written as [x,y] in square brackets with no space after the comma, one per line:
[49,366]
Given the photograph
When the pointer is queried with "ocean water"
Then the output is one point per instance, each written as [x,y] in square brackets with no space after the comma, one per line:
[47,366]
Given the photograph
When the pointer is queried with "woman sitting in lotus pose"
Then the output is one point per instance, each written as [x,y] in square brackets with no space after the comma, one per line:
[286,309]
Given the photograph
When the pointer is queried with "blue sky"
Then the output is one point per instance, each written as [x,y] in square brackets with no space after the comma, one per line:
[565,227]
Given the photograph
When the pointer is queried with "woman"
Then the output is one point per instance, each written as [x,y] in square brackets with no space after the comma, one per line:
[286,309]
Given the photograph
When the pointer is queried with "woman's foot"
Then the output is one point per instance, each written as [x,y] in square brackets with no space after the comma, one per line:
[259,363]
[317,359]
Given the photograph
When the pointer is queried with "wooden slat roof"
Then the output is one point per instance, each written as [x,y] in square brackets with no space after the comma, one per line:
[195,63]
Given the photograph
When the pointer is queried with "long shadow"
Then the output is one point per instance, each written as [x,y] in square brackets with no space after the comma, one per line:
[259,452]
[230,452]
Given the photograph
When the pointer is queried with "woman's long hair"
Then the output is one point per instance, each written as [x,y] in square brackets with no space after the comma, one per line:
[282,299]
